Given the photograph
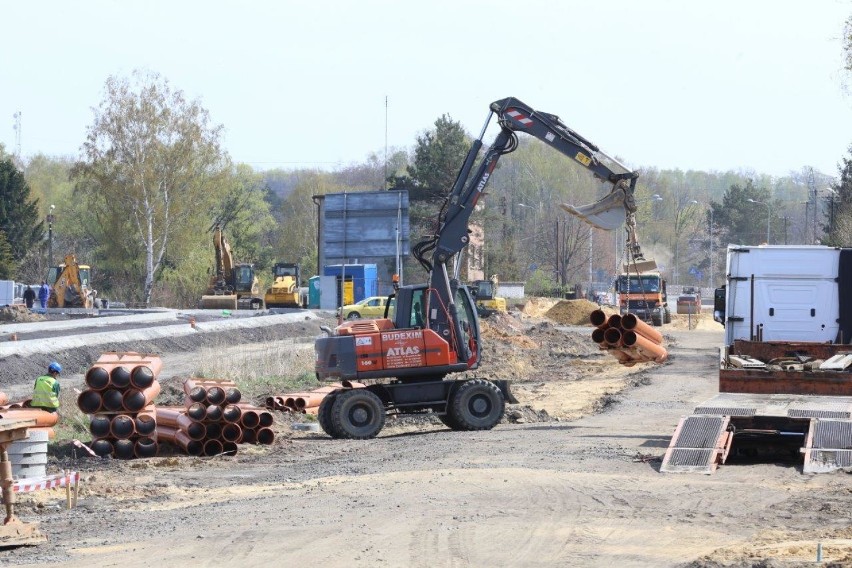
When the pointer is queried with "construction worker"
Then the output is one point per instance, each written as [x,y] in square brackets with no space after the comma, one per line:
[46,389]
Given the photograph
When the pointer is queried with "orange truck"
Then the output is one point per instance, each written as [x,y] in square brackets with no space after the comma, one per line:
[644,294]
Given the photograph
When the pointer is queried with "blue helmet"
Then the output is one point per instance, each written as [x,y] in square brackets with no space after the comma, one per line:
[54,368]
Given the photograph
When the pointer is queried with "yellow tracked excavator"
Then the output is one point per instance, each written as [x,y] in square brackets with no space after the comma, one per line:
[232,286]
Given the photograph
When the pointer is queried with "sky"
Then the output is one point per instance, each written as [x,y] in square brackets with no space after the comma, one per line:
[723,85]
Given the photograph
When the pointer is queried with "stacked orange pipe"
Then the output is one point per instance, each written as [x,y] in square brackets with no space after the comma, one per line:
[306,402]
[627,338]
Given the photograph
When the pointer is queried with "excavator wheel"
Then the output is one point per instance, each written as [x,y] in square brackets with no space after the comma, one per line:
[324,414]
[449,421]
[477,405]
[357,414]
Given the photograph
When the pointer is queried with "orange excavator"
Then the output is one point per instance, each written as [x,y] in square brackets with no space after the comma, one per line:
[435,331]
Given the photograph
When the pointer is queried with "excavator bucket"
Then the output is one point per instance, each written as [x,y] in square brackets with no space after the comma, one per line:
[640,266]
[218,302]
[607,213]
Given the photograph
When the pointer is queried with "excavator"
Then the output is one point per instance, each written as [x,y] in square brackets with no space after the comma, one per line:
[435,330]
[284,292]
[69,285]
[232,286]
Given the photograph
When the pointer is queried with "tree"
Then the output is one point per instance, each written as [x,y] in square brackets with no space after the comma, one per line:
[839,216]
[741,221]
[152,163]
[19,218]
[7,259]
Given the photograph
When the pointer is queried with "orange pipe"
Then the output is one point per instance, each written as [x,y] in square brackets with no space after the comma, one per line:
[231,432]
[230,448]
[196,393]
[233,395]
[598,336]
[614,321]
[314,410]
[145,448]
[112,400]
[146,424]
[232,413]
[645,346]
[135,400]
[196,411]
[631,322]
[598,319]
[613,337]
[99,425]
[119,376]
[42,417]
[123,449]
[89,401]
[249,419]
[122,426]
[349,385]
[249,436]
[176,419]
[265,436]
[212,448]
[144,374]
[180,439]
[266,418]
[213,430]
[313,399]
[213,412]
[101,447]
[215,395]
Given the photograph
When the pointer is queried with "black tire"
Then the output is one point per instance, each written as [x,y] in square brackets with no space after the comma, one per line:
[324,414]
[667,318]
[357,414]
[448,420]
[657,321]
[477,405]
[353,316]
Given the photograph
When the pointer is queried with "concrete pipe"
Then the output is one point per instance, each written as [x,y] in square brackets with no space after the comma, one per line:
[101,447]
[123,449]
[598,319]
[99,426]
[231,432]
[135,399]
[43,418]
[213,430]
[631,322]
[265,436]
[89,401]
[614,321]
[51,433]
[265,419]
[145,448]
[645,346]
[213,413]
[249,436]
[233,395]
[249,419]
[97,377]
[212,448]
[146,424]
[196,411]
[113,400]
[122,426]
[215,395]
[230,448]
[232,413]
[613,337]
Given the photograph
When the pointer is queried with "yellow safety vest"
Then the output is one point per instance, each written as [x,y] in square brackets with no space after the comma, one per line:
[43,393]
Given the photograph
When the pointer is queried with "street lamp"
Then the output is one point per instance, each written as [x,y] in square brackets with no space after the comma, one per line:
[50,219]
[768,215]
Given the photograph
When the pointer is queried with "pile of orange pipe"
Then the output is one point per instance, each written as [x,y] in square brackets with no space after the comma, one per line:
[627,338]
[121,390]
[307,402]
[213,421]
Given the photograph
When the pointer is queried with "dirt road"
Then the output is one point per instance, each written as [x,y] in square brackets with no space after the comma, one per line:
[584,492]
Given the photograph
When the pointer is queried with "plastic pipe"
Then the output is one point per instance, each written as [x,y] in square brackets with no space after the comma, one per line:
[249,419]
[145,448]
[231,432]
[135,400]
[213,430]
[230,448]
[99,425]
[631,322]
[213,412]
[249,436]
[122,426]
[97,378]
[101,447]
[598,319]
[145,424]
[196,411]
[232,413]
[233,395]
[215,395]
[645,346]
[119,377]
[212,448]
[265,436]
[143,376]
[123,449]
[598,336]
[614,321]
[43,418]
[112,400]
[265,419]
[613,337]
[89,401]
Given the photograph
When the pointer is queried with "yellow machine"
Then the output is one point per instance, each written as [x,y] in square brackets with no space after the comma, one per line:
[284,292]
[231,286]
[487,299]
[70,285]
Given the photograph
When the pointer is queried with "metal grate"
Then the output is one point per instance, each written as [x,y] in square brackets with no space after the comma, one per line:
[726,410]
[807,413]
[699,444]
[828,446]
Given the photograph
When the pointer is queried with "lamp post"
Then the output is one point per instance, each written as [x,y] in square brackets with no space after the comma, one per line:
[768,215]
[50,219]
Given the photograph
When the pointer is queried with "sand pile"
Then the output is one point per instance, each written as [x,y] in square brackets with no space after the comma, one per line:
[574,312]
[537,307]
[704,322]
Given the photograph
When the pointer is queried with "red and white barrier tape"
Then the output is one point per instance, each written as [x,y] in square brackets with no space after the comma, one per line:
[49,482]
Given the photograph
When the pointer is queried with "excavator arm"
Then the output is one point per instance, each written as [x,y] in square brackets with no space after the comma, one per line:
[453,222]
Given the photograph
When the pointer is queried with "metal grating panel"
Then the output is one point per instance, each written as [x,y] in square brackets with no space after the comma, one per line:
[699,444]
[726,410]
[828,446]
[806,413]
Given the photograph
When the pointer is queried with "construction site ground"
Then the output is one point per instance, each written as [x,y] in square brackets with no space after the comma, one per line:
[570,478]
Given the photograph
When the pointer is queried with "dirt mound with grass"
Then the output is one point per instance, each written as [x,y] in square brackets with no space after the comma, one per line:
[18,313]
[574,312]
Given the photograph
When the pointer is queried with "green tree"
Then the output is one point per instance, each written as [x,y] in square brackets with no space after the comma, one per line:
[838,225]
[152,162]
[739,220]
[7,259]
[19,218]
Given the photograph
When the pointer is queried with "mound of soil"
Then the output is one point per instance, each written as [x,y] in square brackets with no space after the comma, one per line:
[18,313]
[574,312]
[537,307]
